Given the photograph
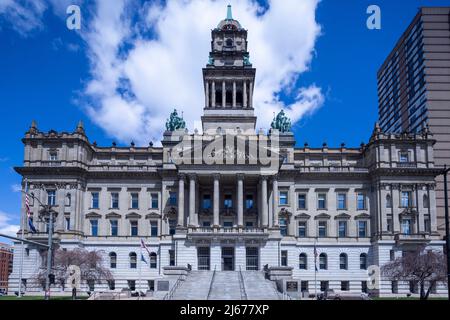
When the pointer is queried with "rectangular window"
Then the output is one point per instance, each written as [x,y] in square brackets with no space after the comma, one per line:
[111,284]
[427,224]
[341,201]
[94,228]
[283,226]
[283,200]
[155,202]
[172,198]
[171,257]
[249,224]
[228,224]
[391,255]
[322,229]
[362,229]
[114,227]
[361,201]
[324,286]
[132,285]
[302,229]
[345,285]
[153,228]
[321,201]
[94,200]
[389,225]
[151,285]
[135,201]
[67,223]
[51,197]
[206,224]
[404,157]
[364,287]
[249,201]
[134,228]
[284,258]
[342,229]
[228,201]
[394,286]
[304,286]
[206,201]
[172,226]
[406,226]
[406,199]
[115,200]
[53,156]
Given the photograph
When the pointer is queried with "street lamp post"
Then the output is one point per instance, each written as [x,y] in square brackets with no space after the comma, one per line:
[447,232]
[49,252]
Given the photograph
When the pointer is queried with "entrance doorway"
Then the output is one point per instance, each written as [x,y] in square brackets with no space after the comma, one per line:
[227,258]
[203,254]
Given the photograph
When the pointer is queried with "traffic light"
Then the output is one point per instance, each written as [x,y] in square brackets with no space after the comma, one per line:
[51,277]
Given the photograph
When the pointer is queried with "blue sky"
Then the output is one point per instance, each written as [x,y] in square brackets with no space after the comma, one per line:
[45,71]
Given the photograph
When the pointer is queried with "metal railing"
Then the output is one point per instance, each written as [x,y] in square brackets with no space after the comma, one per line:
[285,296]
[242,285]
[211,283]
[169,295]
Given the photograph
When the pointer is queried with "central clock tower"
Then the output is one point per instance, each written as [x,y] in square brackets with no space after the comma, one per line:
[229,80]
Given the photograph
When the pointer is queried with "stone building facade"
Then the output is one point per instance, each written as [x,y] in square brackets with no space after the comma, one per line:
[355,207]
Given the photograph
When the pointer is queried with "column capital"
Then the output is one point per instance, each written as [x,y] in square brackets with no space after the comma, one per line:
[275,177]
[192,176]
[181,176]
[240,176]
[264,178]
[216,176]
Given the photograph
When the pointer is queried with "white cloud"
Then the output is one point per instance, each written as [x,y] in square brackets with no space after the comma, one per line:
[136,80]
[16,187]
[24,16]
[6,227]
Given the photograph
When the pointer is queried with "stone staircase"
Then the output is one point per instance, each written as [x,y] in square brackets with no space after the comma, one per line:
[195,287]
[226,286]
[258,287]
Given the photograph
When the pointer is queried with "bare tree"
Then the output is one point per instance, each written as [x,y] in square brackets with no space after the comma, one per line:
[422,266]
[91,265]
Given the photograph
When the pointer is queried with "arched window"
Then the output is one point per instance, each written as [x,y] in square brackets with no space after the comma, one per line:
[343,261]
[303,261]
[68,200]
[323,261]
[388,201]
[112,260]
[133,260]
[363,261]
[425,201]
[153,260]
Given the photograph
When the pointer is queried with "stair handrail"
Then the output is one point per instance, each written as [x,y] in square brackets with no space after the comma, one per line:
[211,283]
[170,294]
[242,285]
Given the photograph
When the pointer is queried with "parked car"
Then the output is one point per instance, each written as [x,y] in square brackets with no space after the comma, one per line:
[332,294]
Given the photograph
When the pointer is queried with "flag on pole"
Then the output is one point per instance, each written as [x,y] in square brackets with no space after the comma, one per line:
[29,215]
[143,246]
[143,259]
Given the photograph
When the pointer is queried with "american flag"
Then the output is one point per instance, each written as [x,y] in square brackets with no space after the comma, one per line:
[29,214]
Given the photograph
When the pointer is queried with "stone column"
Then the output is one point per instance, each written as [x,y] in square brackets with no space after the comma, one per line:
[265,212]
[216,201]
[240,199]
[432,208]
[250,98]
[213,94]
[395,207]
[207,94]
[234,94]
[275,200]
[181,200]
[244,94]
[192,220]
[224,94]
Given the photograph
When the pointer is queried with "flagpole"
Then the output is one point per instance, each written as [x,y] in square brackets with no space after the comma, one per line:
[22,222]
[315,269]
[140,265]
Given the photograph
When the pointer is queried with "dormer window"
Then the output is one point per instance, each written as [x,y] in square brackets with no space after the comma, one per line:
[404,157]
[53,156]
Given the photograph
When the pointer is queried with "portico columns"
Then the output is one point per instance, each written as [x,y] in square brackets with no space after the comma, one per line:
[264,208]
[192,218]
[224,95]
[207,94]
[234,94]
[275,200]
[216,201]
[250,102]
[181,200]
[240,200]
[213,94]
[244,94]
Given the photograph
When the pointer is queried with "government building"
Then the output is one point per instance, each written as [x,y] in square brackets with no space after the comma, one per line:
[231,212]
